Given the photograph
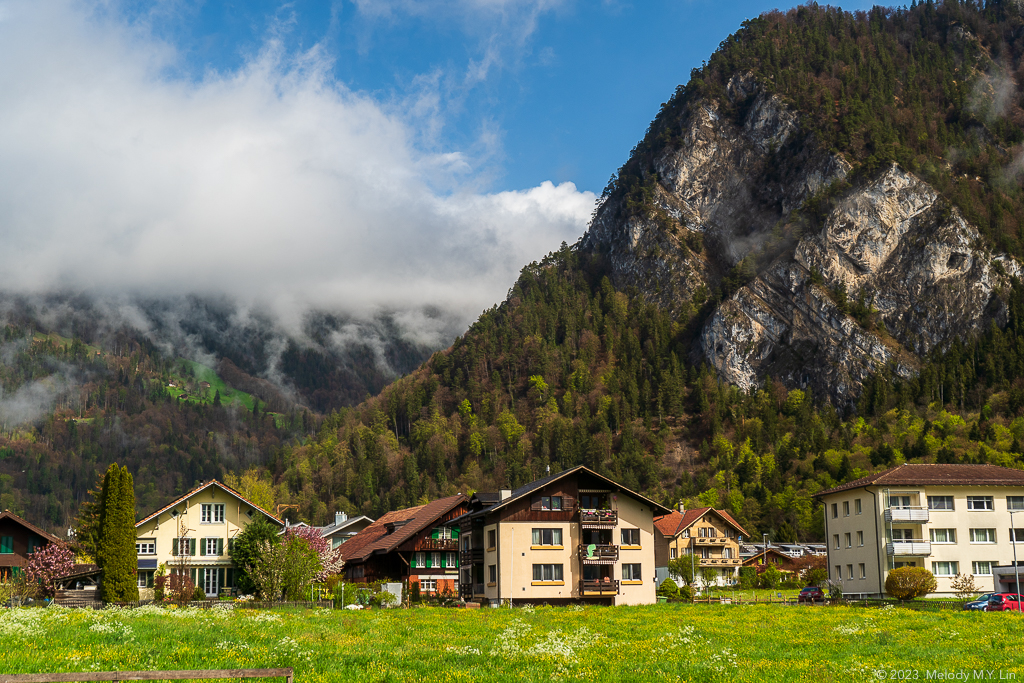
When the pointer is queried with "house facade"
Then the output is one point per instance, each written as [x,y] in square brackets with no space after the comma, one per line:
[567,537]
[19,538]
[344,528]
[949,519]
[413,544]
[193,534]
[710,537]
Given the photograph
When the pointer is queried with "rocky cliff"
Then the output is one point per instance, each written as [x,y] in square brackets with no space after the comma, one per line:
[728,202]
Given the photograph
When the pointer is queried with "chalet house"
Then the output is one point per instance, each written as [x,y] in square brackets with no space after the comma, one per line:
[18,539]
[711,536]
[195,533]
[771,556]
[412,544]
[571,536]
[949,519]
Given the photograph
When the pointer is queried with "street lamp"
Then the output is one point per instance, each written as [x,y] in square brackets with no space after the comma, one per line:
[1016,567]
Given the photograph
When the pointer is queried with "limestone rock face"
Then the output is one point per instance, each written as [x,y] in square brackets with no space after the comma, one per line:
[889,242]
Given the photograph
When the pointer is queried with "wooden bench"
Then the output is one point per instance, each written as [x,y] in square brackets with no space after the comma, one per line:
[285,673]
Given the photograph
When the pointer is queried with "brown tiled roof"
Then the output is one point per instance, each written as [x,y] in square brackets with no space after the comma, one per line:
[7,514]
[376,539]
[673,523]
[212,482]
[936,475]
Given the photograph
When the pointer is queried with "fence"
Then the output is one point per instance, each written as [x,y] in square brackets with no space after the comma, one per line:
[919,605]
[229,604]
[285,673]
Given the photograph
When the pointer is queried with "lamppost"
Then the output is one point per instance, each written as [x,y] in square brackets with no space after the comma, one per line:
[1016,567]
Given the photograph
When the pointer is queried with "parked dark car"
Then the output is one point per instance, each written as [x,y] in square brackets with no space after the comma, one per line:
[979,603]
[1004,602]
[811,594]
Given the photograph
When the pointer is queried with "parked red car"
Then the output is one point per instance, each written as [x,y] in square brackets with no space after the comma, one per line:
[1004,602]
[811,594]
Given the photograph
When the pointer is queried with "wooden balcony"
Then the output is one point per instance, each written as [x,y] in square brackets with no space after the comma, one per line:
[599,519]
[471,556]
[450,544]
[720,562]
[599,554]
[598,587]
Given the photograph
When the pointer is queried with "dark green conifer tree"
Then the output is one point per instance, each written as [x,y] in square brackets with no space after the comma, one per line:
[116,548]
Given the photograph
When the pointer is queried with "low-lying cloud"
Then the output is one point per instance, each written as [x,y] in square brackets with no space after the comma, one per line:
[274,184]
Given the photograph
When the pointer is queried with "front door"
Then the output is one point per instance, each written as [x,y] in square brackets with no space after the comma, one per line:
[210,584]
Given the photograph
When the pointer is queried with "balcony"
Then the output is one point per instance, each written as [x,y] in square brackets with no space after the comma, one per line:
[467,591]
[439,544]
[916,515]
[599,519]
[598,587]
[719,562]
[599,554]
[711,541]
[471,556]
[909,548]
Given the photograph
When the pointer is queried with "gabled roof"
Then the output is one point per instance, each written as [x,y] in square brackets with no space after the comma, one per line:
[332,529]
[674,523]
[936,475]
[753,559]
[397,527]
[527,489]
[199,489]
[7,514]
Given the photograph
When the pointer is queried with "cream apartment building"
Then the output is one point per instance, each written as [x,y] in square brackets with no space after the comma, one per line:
[949,519]
[198,528]
[572,536]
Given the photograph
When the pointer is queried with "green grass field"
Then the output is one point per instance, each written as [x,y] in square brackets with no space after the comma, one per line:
[651,643]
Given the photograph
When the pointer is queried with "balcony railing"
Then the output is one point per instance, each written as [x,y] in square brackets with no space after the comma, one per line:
[711,541]
[913,514]
[719,561]
[471,556]
[469,590]
[597,587]
[439,544]
[914,547]
[597,554]
[599,517]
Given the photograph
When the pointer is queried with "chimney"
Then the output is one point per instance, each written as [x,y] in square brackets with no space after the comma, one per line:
[682,506]
[505,494]
[340,517]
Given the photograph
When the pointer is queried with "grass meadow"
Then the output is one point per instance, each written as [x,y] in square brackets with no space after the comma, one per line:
[650,643]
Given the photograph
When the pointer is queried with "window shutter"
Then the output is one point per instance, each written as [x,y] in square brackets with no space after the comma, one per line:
[429,558]
[535,505]
[455,533]
[192,546]
[231,545]
[174,547]
[412,561]
[444,560]
[220,546]
[436,533]
[202,547]
[229,578]
[193,576]
[220,577]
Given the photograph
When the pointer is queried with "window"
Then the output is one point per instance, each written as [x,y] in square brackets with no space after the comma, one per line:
[630,537]
[835,538]
[547,572]
[899,502]
[492,573]
[1016,535]
[547,537]
[979,503]
[146,546]
[550,502]
[983,535]
[1015,502]
[945,568]
[835,510]
[846,508]
[857,507]
[212,546]
[839,572]
[428,585]
[863,570]
[212,513]
[981,568]
[435,560]
[631,572]
[902,534]
[942,535]
[860,539]
[671,553]
[6,545]
[452,560]
[443,533]
[491,538]
[940,502]
[183,546]
[849,571]
[849,540]
[145,579]
[419,560]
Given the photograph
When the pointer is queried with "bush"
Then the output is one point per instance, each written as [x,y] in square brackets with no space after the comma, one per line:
[180,588]
[748,577]
[414,592]
[770,577]
[816,577]
[669,589]
[198,594]
[686,593]
[907,583]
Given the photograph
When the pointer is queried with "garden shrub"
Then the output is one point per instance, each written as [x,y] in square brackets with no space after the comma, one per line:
[669,589]
[907,583]
[748,577]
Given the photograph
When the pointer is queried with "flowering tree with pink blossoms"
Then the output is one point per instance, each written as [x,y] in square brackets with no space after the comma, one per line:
[47,565]
[330,558]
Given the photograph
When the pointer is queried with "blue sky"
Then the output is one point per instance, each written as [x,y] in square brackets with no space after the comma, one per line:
[409,155]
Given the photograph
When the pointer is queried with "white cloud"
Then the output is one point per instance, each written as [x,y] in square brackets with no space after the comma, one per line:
[273,184]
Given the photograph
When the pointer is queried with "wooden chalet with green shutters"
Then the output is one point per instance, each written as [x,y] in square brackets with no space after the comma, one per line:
[18,540]
[413,544]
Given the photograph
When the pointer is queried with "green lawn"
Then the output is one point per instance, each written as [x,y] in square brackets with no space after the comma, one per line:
[651,643]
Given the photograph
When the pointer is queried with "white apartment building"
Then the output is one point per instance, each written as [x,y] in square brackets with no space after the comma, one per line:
[949,519]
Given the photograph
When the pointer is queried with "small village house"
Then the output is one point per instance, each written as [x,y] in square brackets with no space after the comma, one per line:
[711,537]
[19,538]
[198,527]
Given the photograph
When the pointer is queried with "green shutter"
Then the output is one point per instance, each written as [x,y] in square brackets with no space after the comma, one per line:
[455,533]
[231,545]
[436,533]
[444,560]
[430,558]
[220,577]
[220,546]
[174,547]
[412,562]
[202,547]
[192,546]
[194,576]
[229,578]
[7,545]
